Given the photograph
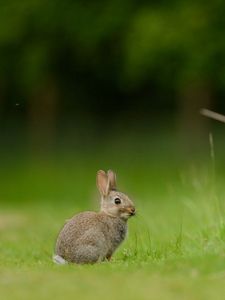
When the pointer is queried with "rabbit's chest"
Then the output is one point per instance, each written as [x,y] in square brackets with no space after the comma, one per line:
[120,231]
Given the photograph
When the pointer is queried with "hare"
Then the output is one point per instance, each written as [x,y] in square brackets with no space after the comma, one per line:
[91,237]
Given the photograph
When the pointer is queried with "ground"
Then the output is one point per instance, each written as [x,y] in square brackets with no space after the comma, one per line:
[175,248]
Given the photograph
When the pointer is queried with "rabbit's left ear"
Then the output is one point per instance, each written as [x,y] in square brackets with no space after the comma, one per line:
[102,182]
[111,180]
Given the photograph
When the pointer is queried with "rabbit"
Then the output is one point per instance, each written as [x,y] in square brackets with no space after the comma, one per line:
[90,237]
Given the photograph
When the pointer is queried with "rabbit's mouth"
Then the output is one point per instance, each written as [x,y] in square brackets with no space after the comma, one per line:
[131,211]
[127,213]
[132,214]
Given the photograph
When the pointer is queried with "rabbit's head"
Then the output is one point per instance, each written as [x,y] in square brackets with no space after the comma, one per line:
[113,203]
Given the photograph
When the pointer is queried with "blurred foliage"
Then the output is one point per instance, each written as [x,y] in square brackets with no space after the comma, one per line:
[179,43]
[110,48]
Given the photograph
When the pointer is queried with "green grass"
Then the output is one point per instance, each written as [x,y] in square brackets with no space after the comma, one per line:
[176,244]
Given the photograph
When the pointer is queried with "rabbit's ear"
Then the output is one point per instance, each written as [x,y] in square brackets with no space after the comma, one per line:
[112,180]
[102,183]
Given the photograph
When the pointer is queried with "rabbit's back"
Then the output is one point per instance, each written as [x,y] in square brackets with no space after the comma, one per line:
[76,226]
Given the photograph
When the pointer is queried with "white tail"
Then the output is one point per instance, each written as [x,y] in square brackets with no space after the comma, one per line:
[59,260]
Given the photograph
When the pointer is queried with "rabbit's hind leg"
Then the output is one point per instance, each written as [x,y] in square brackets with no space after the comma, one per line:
[87,254]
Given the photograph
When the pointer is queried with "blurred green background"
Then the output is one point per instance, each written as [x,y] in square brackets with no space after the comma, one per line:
[105,84]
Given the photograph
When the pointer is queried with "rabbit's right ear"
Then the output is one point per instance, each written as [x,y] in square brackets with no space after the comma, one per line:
[102,182]
[112,180]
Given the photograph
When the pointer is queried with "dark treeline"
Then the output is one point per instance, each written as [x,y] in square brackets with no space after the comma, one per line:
[107,59]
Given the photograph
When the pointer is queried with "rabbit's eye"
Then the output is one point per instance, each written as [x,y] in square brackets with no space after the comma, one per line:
[117,200]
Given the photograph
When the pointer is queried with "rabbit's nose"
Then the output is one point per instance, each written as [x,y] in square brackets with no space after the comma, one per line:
[132,211]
